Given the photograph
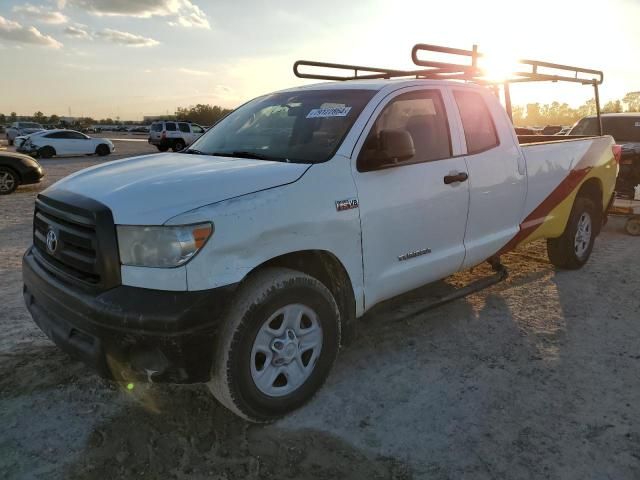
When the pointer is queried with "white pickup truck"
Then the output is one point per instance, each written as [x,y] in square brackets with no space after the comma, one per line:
[240,261]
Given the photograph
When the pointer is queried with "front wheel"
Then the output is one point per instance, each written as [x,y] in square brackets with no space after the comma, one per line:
[277,345]
[46,152]
[573,248]
[8,181]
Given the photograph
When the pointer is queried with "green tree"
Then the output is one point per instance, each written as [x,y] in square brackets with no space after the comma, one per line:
[39,117]
[54,119]
[632,101]
[13,117]
[3,118]
[202,114]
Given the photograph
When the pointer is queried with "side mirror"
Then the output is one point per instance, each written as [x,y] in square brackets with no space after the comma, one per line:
[392,147]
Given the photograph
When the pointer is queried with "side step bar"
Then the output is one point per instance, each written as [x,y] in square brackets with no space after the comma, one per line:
[501,274]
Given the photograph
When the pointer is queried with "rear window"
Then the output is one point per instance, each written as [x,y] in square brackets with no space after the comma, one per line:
[170,127]
[156,127]
[622,129]
[479,131]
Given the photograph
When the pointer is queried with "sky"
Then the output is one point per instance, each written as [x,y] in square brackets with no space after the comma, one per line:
[129,58]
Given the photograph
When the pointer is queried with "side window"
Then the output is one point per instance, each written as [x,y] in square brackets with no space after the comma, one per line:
[196,129]
[170,127]
[184,127]
[412,128]
[76,136]
[479,130]
[57,135]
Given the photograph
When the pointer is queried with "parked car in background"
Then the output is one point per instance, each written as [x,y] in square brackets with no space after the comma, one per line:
[139,129]
[175,135]
[625,129]
[65,142]
[17,169]
[18,141]
[21,128]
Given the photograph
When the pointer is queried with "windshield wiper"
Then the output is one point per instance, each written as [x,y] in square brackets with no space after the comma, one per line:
[250,155]
[193,151]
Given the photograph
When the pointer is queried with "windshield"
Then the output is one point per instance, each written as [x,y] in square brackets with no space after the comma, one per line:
[622,129]
[303,126]
[30,125]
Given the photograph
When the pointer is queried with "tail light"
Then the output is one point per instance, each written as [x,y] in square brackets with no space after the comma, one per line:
[617,153]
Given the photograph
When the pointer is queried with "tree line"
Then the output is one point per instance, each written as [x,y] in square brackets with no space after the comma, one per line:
[556,113]
[201,114]
[532,114]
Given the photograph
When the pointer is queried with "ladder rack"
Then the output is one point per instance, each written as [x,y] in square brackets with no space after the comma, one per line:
[470,71]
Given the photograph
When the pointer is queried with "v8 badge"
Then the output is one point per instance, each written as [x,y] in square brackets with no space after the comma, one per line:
[347,204]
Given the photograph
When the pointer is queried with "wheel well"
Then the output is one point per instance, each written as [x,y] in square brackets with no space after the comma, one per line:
[329,270]
[592,189]
[101,145]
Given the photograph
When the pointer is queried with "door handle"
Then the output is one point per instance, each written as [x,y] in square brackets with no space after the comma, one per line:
[457,177]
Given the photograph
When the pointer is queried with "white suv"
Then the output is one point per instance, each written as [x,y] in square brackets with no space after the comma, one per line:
[174,135]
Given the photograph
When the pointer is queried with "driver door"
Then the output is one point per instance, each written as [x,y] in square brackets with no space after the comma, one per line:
[413,211]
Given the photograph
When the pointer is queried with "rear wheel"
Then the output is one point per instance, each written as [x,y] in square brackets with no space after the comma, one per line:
[10,141]
[163,148]
[103,150]
[277,345]
[9,181]
[178,145]
[573,248]
[46,152]
[632,227]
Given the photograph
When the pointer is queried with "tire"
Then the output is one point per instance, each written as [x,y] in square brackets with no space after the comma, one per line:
[102,150]
[46,152]
[163,148]
[178,145]
[268,307]
[10,141]
[9,180]
[632,227]
[573,248]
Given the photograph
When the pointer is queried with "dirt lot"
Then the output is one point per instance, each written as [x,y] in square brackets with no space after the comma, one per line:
[537,377]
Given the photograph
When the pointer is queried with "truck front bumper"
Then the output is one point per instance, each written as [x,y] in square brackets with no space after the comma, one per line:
[128,333]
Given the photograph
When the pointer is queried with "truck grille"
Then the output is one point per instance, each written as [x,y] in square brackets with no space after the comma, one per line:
[74,239]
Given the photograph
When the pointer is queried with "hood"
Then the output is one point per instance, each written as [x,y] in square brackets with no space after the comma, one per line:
[150,190]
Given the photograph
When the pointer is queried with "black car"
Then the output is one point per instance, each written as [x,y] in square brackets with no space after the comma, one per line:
[17,169]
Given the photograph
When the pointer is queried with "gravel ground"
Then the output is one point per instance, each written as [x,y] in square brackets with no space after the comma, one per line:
[536,377]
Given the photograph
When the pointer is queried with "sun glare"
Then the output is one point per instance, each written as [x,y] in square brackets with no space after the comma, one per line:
[498,66]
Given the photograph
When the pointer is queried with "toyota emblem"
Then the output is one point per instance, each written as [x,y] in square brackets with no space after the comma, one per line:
[52,241]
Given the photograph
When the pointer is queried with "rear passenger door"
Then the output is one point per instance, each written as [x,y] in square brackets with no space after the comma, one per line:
[413,211]
[497,174]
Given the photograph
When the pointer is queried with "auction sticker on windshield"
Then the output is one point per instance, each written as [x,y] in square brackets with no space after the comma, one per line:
[329,112]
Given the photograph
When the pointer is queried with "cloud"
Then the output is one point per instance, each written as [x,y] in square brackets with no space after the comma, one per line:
[182,12]
[126,38]
[17,33]
[38,14]
[77,31]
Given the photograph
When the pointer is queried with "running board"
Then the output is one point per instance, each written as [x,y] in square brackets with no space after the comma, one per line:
[501,274]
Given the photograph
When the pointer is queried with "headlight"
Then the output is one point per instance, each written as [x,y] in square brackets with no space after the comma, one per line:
[162,246]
